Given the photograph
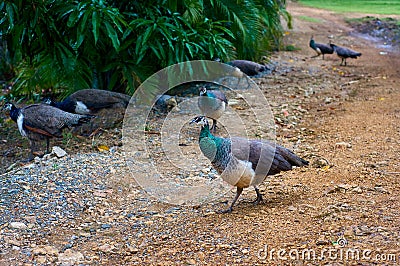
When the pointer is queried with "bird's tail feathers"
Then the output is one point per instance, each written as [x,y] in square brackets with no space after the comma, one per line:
[85,119]
[292,158]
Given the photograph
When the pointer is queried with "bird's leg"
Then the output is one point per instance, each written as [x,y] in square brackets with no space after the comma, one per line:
[259,198]
[229,210]
[47,145]
[214,126]
[31,155]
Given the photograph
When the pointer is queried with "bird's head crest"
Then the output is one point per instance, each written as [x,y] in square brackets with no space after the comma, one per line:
[202,90]
[199,120]
[48,101]
[7,106]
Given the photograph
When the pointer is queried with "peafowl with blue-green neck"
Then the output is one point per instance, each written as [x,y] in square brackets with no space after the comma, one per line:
[242,162]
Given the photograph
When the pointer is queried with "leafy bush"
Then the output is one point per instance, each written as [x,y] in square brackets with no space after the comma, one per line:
[63,46]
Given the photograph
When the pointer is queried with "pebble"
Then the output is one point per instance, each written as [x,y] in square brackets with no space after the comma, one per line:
[58,151]
[18,225]
[70,257]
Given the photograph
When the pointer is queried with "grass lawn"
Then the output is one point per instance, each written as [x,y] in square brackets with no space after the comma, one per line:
[389,7]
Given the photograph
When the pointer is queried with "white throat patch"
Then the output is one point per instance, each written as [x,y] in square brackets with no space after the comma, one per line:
[20,123]
[81,108]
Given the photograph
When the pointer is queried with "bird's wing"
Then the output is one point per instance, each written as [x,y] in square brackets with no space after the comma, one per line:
[343,51]
[326,49]
[97,99]
[43,117]
[39,118]
[260,154]
[266,157]
[248,67]
[218,95]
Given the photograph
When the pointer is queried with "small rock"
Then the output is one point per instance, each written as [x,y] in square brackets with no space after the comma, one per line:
[321,242]
[191,262]
[292,208]
[70,257]
[201,256]
[105,226]
[40,259]
[58,151]
[320,163]
[342,145]
[381,190]
[357,190]
[106,248]
[18,225]
[45,250]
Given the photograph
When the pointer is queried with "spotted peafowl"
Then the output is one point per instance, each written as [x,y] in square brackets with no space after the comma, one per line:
[320,48]
[89,101]
[212,104]
[42,121]
[344,53]
[242,162]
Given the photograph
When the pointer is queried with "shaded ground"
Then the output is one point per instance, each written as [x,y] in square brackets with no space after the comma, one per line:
[345,120]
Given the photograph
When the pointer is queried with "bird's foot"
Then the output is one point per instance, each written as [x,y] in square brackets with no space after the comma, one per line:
[229,210]
[27,160]
[258,200]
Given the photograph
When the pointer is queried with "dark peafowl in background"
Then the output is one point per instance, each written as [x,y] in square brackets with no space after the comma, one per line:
[41,121]
[242,162]
[89,101]
[344,53]
[320,48]
[250,68]
[212,104]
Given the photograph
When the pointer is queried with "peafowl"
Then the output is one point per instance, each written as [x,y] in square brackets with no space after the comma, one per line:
[320,48]
[250,68]
[344,53]
[242,162]
[42,121]
[89,101]
[212,104]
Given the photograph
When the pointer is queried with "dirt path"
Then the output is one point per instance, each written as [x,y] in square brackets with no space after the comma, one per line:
[345,120]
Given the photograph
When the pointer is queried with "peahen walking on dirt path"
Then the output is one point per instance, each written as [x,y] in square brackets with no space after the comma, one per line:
[41,121]
[242,162]
[320,48]
[345,53]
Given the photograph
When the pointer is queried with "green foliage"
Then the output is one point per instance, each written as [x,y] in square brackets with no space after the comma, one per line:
[387,7]
[64,46]
[310,19]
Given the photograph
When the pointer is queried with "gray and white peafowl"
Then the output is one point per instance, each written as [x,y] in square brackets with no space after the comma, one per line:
[250,68]
[320,48]
[344,53]
[89,101]
[242,162]
[212,104]
[41,121]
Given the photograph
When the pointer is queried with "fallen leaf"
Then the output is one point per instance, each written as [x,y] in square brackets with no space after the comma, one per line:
[103,148]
